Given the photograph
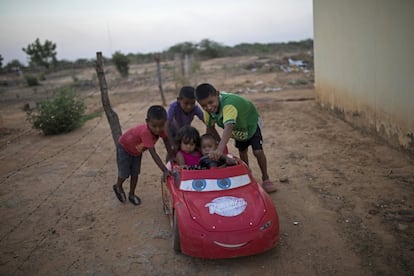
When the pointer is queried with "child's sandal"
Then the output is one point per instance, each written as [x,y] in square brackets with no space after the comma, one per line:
[119,192]
[134,199]
[269,186]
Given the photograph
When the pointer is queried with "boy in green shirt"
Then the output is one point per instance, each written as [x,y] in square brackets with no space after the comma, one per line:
[240,120]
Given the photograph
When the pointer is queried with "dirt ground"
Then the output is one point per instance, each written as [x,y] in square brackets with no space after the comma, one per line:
[346,209]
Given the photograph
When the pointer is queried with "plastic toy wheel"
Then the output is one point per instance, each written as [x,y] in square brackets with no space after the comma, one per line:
[165,208]
[164,198]
[176,235]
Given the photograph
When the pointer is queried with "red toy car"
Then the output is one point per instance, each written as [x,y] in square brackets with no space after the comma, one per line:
[219,212]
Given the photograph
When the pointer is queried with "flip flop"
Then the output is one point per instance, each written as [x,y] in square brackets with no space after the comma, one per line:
[119,192]
[134,199]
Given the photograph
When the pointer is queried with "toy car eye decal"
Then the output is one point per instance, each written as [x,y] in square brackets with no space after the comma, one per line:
[224,183]
[199,184]
[207,185]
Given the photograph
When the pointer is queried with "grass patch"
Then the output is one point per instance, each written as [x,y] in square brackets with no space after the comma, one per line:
[90,116]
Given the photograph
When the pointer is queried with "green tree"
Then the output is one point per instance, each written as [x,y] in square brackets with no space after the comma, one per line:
[121,62]
[13,66]
[183,48]
[1,62]
[211,49]
[41,54]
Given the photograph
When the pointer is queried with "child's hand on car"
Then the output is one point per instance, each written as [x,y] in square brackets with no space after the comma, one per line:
[165,174]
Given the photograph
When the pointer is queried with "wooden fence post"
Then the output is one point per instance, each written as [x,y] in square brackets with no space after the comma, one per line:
[111,115]
[157,60]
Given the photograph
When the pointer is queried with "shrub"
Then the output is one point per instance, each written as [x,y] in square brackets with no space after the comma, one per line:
[42,77]
[60,114]
[31,80]
[121,62]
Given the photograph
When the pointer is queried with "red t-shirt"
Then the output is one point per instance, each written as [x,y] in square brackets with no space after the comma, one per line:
[138,139]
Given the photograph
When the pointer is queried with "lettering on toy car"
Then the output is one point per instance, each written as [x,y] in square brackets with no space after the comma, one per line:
[227,206]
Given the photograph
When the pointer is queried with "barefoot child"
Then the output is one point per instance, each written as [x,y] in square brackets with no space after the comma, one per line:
[132,144]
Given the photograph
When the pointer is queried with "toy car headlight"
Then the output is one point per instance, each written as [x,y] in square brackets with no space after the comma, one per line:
[266,225]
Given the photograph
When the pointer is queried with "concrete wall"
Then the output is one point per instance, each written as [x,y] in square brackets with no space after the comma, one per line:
[364,64]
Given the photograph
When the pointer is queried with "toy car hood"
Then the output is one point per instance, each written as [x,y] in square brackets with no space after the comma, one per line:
[237,209]
[226,199]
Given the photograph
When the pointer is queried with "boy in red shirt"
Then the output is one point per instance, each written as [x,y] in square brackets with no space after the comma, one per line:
[132,144]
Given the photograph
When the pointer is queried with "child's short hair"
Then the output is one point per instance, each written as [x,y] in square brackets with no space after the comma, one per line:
[187,134]
[204,90]
[156,112]
[187,92]
[207,136]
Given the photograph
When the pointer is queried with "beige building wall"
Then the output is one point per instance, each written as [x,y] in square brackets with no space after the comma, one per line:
[364,64]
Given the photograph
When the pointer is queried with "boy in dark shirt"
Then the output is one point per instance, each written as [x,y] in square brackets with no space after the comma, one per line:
[182,111]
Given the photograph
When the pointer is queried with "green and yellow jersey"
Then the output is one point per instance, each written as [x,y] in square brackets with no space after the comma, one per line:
[234,109]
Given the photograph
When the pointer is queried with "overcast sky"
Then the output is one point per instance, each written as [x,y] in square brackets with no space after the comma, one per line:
[80,28]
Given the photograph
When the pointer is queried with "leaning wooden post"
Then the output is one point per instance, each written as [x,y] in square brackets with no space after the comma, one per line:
[157,60]
[111,115]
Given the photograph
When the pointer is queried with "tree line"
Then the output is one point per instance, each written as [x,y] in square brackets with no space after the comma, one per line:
[43,54]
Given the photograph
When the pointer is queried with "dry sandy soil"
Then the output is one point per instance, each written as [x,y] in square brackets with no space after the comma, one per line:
[347,208]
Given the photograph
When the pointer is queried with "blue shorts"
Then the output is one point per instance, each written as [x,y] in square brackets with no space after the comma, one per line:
[127,163]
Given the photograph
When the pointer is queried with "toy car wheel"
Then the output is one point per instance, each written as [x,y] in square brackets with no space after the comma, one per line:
[164,203]
[166,210]
[176,235]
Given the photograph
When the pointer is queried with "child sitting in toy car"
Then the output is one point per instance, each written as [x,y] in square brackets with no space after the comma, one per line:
[188,144]
[207,144]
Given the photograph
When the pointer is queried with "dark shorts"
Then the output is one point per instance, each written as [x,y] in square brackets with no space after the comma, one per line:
[256,141]
[127,163]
